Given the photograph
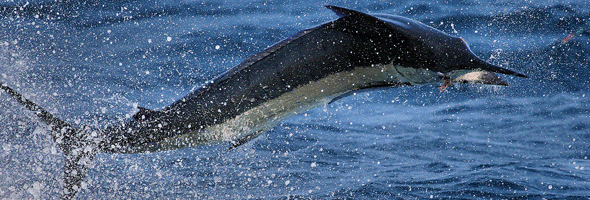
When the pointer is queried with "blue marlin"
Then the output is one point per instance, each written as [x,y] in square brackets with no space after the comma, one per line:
[314,67]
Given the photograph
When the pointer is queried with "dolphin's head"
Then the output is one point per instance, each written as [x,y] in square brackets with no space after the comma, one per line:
[423,46]
[448,54]
[453,56]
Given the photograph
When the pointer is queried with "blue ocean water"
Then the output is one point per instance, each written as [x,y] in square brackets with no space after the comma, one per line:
[92,62]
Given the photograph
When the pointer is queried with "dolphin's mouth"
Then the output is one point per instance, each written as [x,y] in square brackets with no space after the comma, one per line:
[481,77]
[471,77]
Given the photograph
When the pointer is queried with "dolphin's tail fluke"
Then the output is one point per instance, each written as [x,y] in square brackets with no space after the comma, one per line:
[78,145]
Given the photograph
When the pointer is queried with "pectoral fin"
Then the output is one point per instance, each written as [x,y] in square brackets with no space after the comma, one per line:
[375,86]
[247,138]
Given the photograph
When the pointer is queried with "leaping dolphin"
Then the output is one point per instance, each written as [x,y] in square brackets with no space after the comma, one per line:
[316,66]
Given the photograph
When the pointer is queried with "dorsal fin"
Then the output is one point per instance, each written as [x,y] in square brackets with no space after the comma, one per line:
[343,12]
[143,113]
